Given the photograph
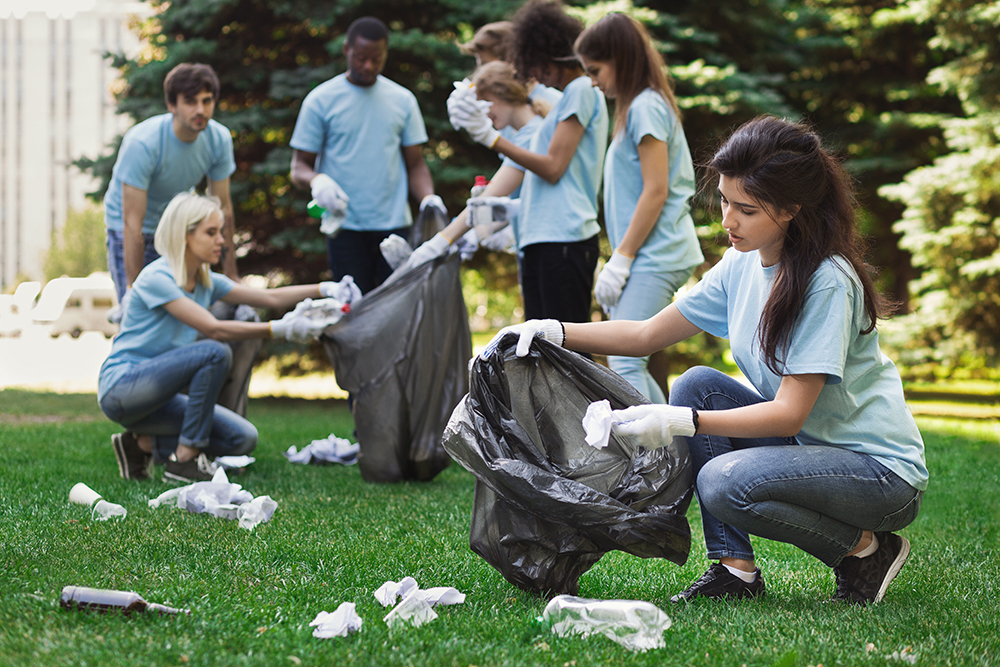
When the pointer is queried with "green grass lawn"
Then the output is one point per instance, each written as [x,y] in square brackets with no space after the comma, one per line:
[335,538]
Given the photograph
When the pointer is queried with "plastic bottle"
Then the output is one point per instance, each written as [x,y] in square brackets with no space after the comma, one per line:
[102,600]
[481,217]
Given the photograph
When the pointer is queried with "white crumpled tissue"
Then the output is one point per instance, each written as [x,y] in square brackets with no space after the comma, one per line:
[339,623]
[219,498]
[326,450]
[597,424]
[234,462]
[415,608]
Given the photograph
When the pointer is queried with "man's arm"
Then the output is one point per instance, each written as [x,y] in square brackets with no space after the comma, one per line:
[303,170]
[133,244]
[221,190]
[418,174]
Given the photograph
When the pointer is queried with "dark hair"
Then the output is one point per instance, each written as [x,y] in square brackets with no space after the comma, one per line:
[624,42]
[785,168]
[367,27]
[543,34]
[189,79]
[492,38]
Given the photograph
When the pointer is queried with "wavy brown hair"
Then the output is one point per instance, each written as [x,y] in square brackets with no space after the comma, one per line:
[784,167]
[624,42]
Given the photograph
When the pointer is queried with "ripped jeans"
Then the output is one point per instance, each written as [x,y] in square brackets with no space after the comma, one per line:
[819,498]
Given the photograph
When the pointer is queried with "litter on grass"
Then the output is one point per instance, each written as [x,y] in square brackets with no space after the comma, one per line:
[221,499]
[339,623]
[234,462]
[325,451]
[390,591]
[635,624]
[82,494]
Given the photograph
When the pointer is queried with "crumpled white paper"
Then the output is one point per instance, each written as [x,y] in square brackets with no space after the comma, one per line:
[339,623]
[415,608]
[326,450]
[103,510]
[597,424]
[234,462]
[219,498]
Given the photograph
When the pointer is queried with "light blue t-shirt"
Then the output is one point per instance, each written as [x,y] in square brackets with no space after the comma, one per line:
[566,211]
[545,93]
[861,408]
[147,329]
[672,244]
[153,159]
[357,133]
[522,139]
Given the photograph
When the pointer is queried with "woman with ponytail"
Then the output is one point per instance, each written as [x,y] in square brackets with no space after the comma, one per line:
[648,180]
[821,451]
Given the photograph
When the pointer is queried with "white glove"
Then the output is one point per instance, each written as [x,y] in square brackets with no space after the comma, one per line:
[653,426]
[429,250]
[501,241]
[611,280]
[297,326]
[344,291]
[436,202]
[467,244]
[463,95]
[550,330]
[473,119]
[328,194]
[504,209]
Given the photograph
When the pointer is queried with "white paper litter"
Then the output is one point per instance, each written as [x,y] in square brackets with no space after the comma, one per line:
[597,424]
[415,608]
[339,623]
[390,591]
[413,611]
[234,462]
[326,450]
[219,498]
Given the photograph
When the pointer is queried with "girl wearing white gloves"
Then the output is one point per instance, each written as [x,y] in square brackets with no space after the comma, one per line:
[557,227]
[648,180]
[822,452]
[156,355]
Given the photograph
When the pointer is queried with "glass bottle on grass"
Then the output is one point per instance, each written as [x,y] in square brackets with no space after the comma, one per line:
[104,600]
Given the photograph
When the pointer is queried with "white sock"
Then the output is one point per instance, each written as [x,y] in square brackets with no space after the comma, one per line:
[747,577]
[870,549]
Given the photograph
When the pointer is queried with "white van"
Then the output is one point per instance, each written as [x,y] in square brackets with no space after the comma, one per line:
[75,305]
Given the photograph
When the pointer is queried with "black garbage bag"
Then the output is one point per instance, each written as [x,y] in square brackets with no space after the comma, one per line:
[548,505]
[403,353]
[429,222]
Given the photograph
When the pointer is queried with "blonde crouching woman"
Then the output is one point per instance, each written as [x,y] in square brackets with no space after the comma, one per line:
[156,354]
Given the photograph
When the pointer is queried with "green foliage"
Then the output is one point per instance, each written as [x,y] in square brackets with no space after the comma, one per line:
[336,539]
[78,249]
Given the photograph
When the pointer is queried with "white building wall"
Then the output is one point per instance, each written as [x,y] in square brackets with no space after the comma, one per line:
[55,107]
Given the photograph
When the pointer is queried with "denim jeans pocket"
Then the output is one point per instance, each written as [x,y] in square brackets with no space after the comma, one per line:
[904,516]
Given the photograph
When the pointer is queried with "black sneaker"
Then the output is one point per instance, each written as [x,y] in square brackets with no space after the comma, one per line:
[863,581]
[133,463]
[198,469]
[718,582]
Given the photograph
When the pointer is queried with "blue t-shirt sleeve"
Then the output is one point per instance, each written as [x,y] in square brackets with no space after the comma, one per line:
[578,100]
[415,132]
[136,163]
[221,285]
[156,287]
[821,338]
[706,305]
[310,129]
[224,164]
[647,117]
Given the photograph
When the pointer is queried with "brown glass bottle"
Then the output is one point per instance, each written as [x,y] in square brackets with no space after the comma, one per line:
[102,600]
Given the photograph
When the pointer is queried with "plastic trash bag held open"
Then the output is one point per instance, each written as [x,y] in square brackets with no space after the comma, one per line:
[402,352]
[548,505]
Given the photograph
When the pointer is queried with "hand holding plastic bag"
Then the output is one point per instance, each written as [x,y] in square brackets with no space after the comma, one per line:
[344,291]
[297,326]
[550,330]
[653,426]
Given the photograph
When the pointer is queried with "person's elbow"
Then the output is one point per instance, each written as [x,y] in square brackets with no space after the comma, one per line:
[552,174]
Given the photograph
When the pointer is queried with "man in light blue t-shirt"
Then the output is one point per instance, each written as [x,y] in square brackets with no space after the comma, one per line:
[357,148]
[160,158]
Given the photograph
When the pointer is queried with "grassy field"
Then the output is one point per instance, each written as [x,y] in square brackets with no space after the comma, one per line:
[335,538]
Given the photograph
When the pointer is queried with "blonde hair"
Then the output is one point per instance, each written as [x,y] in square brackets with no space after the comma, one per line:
[492,38]
[182,215]
[499,80]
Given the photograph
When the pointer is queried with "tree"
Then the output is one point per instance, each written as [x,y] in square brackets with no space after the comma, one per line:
[78,248]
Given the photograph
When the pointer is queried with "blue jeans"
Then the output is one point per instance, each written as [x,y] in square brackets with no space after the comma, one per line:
[146,401]
[357,254]
[819,498]
[645,295]
[116,257]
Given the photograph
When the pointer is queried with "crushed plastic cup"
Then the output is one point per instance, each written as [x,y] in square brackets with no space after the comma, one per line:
[103,510]
[635,624]
[83,495]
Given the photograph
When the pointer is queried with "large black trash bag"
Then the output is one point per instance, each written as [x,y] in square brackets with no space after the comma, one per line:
[403,353]
[429,222]
[548,505]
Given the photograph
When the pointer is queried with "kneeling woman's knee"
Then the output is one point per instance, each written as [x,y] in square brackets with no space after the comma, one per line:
[687,388]
[246,439]
[719,489]
[218,353]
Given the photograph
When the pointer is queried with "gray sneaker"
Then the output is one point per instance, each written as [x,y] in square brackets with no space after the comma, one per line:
[133,463]
[863,581]
[198,469]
